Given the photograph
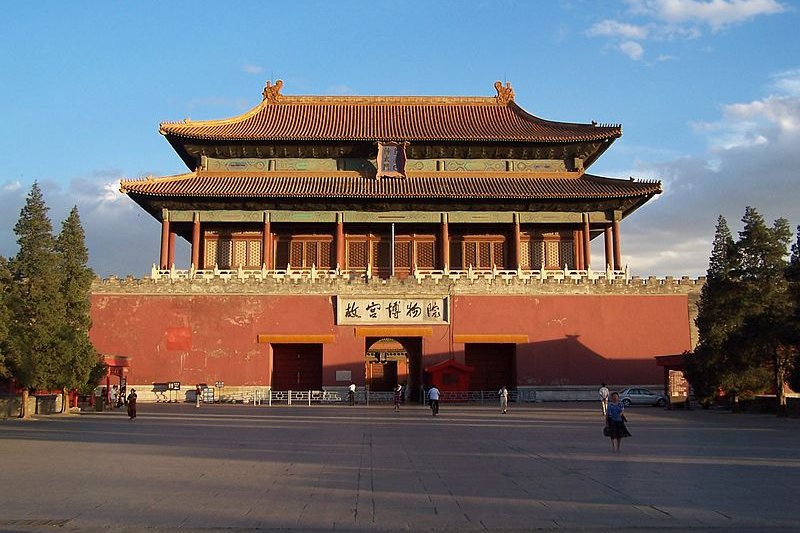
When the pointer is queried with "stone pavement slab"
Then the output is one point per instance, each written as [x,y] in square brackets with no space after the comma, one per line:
[333,468]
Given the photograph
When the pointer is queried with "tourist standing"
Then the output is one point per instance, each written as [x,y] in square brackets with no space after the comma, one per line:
[132,404]
[351,394]
[503,393]
[433,398]
[113,397]
[603,393]
[198,395]
[398,396]
[615,422]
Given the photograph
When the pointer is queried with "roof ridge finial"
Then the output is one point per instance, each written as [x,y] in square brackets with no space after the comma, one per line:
[505,94]
[272,93]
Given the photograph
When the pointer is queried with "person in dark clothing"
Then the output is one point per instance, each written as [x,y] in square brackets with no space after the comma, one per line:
[132,404]
[615,422]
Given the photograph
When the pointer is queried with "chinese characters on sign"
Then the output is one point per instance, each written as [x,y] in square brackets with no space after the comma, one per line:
[400,310]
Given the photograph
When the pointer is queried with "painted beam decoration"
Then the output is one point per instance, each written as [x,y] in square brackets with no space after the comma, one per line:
[399,310]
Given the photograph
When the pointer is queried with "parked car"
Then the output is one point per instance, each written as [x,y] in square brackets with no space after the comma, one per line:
[641,396]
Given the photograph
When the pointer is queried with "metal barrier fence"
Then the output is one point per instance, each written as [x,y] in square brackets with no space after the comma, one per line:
[365,396]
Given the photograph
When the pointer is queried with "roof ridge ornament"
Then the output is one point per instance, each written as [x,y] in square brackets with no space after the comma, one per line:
[504,94]
[272,93]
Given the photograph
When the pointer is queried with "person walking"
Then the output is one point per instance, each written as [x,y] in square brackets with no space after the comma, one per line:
[503,393]
[398,396]
[433,398]
[603,393]
[615,422]
[198,395]
[351,394]
[132,404]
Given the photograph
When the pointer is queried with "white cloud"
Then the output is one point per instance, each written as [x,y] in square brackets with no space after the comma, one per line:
[121,237]
[787,82]
[715,14]
[667,20]
[613,28]
[632,49]
[252,69]
[750,160]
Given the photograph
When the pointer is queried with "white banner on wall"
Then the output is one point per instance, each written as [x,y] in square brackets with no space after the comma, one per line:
[402,310]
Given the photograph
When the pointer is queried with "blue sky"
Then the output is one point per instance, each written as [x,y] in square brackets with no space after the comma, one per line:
[708,93]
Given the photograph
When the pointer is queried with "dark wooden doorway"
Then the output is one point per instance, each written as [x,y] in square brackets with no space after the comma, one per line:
[296,367]
[494,365]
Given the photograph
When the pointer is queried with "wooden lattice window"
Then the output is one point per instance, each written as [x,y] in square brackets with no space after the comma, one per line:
[210,255]
[304,252]
[426,254]
[549,249]
[402,254]
[381,254]
[478,252]
[232,251]
[356,255]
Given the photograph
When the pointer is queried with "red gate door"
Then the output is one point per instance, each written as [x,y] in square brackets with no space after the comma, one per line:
[296,367]
[494,365]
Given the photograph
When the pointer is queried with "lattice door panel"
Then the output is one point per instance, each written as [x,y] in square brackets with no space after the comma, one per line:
[224,253]
[356,255]
[402,254]
[381,255]
[296,254]
[239,254]
[426,254]
[210,254]
[568,254]
[552,254]
[254,254]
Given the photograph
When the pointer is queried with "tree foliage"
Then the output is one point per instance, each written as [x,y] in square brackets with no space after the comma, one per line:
[34,297]
[46,292]
[746,315]
[5,283]
[77,354]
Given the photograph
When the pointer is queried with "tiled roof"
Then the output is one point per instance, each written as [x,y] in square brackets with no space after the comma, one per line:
[332,118]
[351,185]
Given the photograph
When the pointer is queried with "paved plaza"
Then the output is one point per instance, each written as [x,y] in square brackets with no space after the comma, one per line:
[335,468]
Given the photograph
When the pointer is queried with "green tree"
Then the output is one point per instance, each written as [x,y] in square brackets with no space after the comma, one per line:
[762,343]
[77,356]
[718,315]
[793,276]
[5,283]
[34,299]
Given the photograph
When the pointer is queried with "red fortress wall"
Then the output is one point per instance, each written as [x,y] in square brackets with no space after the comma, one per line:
[560,339]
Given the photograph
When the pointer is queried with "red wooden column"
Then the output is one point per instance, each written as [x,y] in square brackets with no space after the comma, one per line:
[608,253]
[617,246]
[171,253]
[587,254]
[340,256]
[445,244]
[266,243]
[578,245]
[164,258]
[196,241]
[517,244]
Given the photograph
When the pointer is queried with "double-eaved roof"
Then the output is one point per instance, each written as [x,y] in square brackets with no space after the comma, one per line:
[287,122]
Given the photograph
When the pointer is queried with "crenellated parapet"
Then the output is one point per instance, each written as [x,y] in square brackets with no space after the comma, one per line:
[471,282]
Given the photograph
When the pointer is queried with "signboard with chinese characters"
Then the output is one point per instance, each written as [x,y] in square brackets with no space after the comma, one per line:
[401,310]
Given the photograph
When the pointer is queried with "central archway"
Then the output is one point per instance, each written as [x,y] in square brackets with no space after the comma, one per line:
[400,361]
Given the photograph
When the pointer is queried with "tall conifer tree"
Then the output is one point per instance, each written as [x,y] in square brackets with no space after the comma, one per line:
[34,298]
[762,344]
[5,284]
[793,276]
[717,317]
[77,357]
